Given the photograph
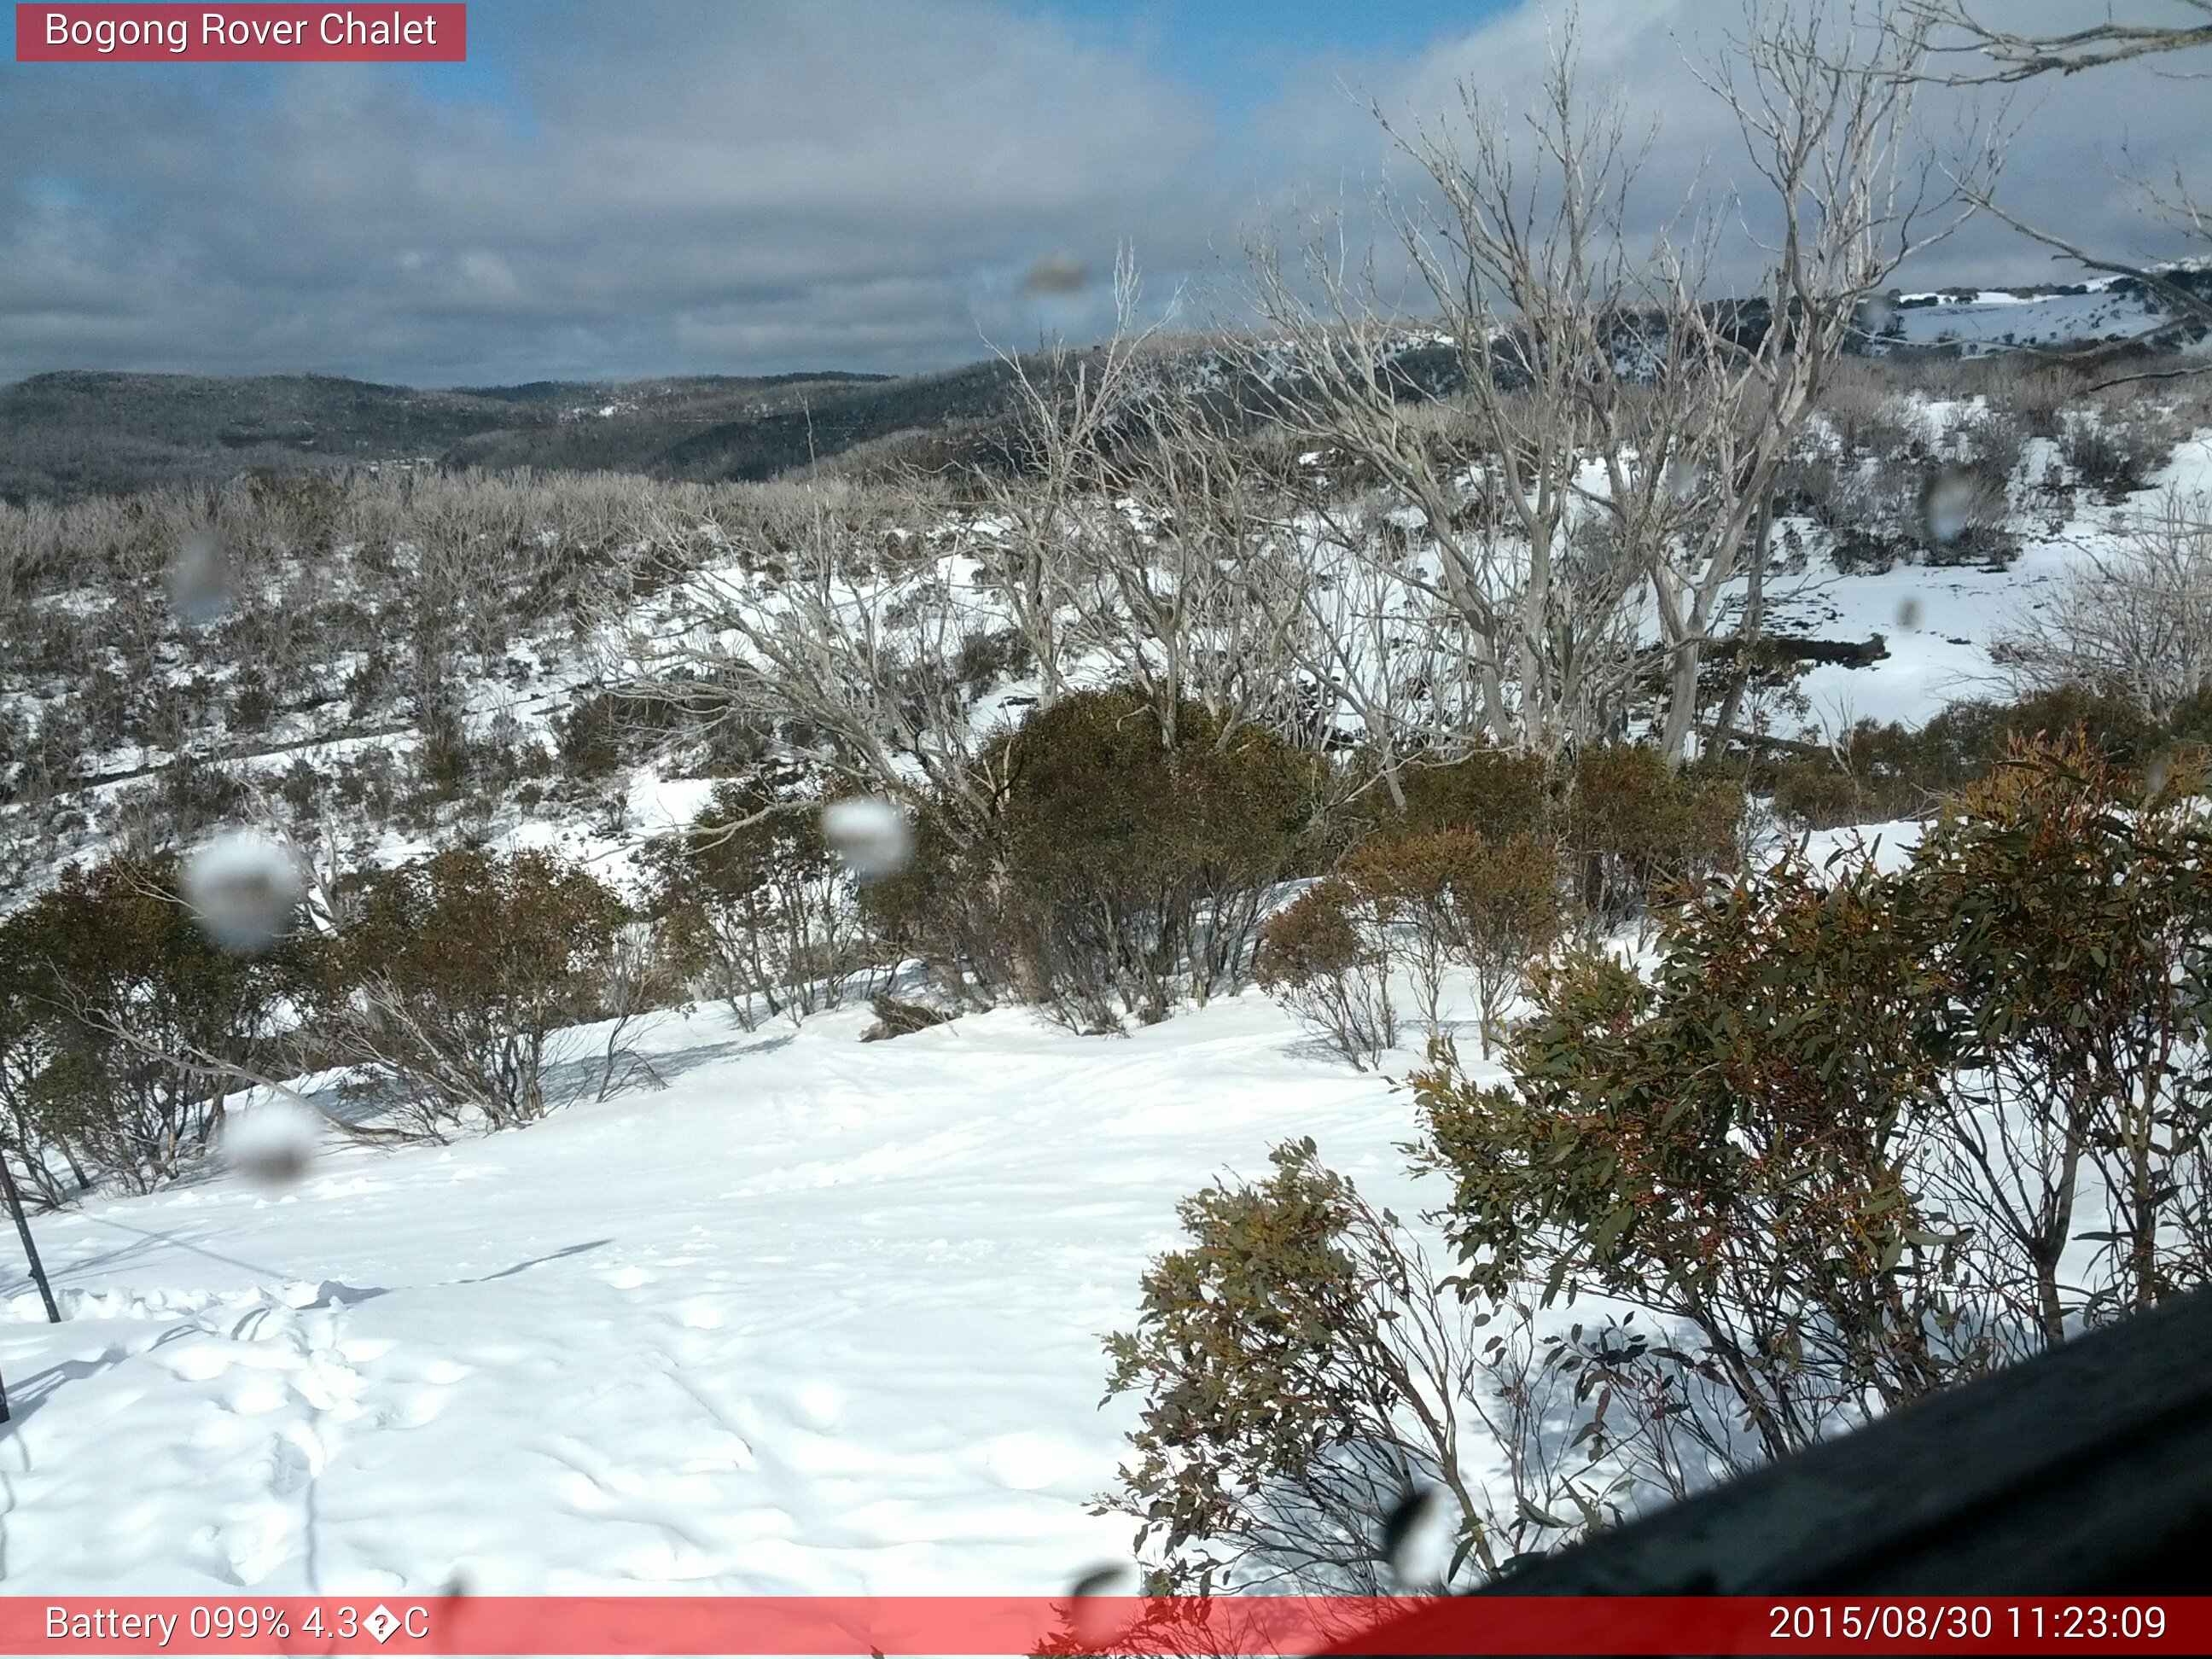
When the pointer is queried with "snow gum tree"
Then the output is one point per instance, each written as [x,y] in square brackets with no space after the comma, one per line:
[1612,436]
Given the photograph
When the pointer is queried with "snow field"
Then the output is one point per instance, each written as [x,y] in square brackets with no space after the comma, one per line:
[818,1317]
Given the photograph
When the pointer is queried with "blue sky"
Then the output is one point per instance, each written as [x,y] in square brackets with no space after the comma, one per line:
[1240,51]
[1237,52]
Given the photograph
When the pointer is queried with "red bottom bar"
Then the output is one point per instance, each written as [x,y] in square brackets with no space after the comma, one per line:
[1016,1626]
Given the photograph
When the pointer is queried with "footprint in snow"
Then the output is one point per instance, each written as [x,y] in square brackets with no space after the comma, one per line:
[820,1404]
[1027,1462]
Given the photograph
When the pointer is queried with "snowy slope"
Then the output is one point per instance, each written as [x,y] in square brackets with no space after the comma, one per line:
[1997,318]
[817,1316]
[1937,620]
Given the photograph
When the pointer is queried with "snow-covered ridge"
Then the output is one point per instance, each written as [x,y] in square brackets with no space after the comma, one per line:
[1977,321]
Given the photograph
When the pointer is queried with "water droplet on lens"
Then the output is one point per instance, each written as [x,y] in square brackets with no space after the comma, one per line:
[1417,1541]
[1908,613]
[273,1145]
[869,833]
[1947,505]
[245,889]
[1056,274]
[1095,1627]
[200,588]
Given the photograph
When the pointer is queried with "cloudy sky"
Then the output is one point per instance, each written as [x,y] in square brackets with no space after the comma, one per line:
[672,187]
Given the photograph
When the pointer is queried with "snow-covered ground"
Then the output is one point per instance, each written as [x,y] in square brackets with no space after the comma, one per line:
[817,1316]
[1937,620]
[2000,318]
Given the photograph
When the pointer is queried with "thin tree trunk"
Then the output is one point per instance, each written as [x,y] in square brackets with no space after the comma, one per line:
[1682,699]
[14,1198]
[1748,636]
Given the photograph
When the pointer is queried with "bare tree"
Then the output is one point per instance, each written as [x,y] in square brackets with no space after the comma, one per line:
[1371,641]
[2011,55]
[2137,620]
[1067,406]
[642,976]
[1613,432]
[1828,110]
[1530,280]
[849,647]
[1191,592]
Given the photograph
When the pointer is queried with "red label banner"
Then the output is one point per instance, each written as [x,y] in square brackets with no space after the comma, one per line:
[234,34]
[1014,1625]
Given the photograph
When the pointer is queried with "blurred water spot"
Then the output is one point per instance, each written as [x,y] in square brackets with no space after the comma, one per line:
[1417,1541]
[1908,612]
[1946,504]
[200,587]
[869,833]
[1092,1625]
[1056,274]
[245,888]
[274,1145]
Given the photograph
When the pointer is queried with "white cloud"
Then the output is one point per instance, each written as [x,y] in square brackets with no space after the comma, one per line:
[856,184]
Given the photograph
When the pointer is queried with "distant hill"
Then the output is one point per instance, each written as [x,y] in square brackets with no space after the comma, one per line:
[76,433]
[79,432]
[706,430]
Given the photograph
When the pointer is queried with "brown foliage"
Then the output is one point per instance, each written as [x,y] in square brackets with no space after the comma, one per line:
[1322,958]
[1458,899]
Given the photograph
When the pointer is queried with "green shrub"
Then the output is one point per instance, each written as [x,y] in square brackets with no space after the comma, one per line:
[756,901]
[955,907]
[1302,1371]
[1634,827]
[458,971]
[1453,898]
[1886,770]
[590,738]
[1269,1355]
[118,1014]
[1849,1126]
[1493,792]
[2066,913]
[1114,872]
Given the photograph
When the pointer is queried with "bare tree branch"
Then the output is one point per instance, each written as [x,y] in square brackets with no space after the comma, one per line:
[2012,56]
